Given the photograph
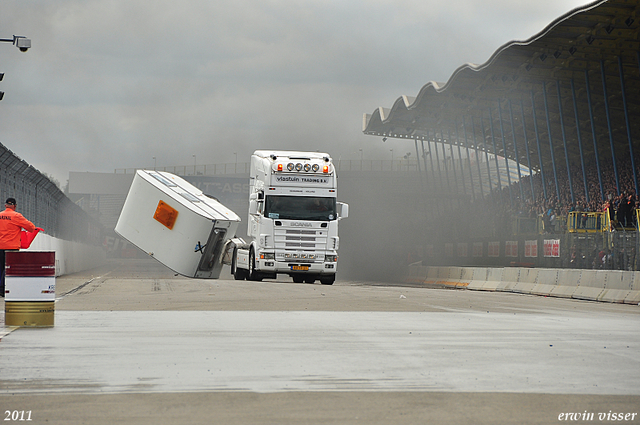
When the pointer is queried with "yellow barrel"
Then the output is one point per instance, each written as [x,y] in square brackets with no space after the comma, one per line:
[29,313]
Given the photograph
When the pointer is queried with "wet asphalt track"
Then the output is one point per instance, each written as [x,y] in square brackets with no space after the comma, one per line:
[133,334]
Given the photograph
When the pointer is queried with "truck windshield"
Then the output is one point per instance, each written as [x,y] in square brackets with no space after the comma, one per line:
[300,208]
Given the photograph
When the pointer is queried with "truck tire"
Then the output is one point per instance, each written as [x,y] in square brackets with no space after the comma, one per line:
[328,280]
[253,274]
[238,274]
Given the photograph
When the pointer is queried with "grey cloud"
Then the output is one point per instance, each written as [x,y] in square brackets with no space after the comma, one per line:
[113,83]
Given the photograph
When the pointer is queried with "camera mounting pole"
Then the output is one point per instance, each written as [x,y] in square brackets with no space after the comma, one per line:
[21,42]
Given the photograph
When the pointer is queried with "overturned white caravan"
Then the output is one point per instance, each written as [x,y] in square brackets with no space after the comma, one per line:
[177,224]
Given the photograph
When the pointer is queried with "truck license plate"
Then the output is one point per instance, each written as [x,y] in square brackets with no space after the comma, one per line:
[300,268]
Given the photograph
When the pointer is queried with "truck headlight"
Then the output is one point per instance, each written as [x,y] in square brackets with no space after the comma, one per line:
[331,258]
[268,256]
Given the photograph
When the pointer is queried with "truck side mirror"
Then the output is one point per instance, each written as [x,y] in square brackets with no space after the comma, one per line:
[253,207]
[343,210]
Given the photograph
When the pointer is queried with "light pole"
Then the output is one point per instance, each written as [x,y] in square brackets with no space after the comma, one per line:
[21,43]
[155,163]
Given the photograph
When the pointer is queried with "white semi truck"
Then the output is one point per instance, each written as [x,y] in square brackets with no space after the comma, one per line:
[293,218]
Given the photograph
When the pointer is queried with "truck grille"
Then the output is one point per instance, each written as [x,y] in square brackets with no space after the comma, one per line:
[300,238]
[299,245]
[300,232]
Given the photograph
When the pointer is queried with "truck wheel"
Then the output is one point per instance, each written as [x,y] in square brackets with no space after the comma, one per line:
[297,279]
[238,274]
[328,280]
[253,274]
[310,279]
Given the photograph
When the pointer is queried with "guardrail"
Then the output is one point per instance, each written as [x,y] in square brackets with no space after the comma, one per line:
[587,222]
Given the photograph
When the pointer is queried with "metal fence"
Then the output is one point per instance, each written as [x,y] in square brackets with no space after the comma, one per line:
[42,202]
[585,249]
[564,250]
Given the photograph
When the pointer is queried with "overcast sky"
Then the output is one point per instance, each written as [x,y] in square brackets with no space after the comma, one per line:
[113,83]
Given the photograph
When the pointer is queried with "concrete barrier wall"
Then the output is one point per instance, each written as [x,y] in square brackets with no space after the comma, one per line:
[591,284]
[432,275]
[450,276]
[466,278]
[479,278]
[527,280]
[71,257]
[509,279]
[634,295]
[568,283]
[545,283]
[417,273]
[492,281]
[617,287]
[597,285]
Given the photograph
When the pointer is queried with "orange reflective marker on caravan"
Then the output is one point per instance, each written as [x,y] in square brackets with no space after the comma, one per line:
[166,215]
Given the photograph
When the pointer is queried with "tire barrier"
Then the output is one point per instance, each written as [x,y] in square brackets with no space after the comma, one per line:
[611,286]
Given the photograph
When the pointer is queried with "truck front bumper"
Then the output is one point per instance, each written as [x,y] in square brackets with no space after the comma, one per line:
[291,267]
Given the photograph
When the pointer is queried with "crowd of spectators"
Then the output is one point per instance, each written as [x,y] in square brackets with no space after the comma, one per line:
[620,204]
[500,214]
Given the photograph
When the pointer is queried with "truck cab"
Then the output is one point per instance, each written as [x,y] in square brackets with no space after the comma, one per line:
[293,218]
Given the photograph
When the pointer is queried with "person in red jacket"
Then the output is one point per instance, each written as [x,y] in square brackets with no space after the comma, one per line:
[11,224]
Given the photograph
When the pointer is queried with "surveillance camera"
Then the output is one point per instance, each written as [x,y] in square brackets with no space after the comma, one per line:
[23,44]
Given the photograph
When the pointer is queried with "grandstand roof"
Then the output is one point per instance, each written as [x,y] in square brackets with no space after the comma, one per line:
[577,59]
